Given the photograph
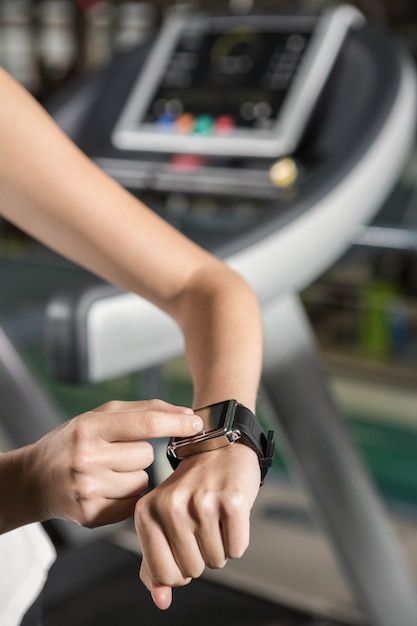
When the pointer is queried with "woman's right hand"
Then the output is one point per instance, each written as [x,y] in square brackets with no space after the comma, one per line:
[91,470]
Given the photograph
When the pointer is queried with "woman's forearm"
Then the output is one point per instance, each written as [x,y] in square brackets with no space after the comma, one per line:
[50,189]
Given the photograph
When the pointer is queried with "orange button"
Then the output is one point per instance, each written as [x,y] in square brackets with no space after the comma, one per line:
[185,123]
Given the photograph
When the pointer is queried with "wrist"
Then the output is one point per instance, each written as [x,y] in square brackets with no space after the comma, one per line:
[19,504]
[237,465]
[250,456]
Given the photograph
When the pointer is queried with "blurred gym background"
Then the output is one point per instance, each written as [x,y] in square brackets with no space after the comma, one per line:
[363,310]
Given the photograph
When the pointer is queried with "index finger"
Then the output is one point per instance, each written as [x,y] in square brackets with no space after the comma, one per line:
[148,424]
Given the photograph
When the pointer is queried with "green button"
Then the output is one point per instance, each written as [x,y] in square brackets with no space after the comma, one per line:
[204,124]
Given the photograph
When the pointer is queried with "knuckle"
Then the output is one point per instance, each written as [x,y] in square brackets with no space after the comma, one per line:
[155,404]
[81,428]
[235,505]
[112,406]
[81,459]
[184,425]
[144,513]
[151,424]
[174,508]
[87,514]
[205,504]
[84,489]
[140,515]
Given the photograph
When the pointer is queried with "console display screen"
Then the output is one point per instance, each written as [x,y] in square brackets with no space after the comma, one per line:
[232,84]
[217,82]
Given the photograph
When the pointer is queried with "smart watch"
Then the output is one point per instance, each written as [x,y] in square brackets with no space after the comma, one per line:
[225,423]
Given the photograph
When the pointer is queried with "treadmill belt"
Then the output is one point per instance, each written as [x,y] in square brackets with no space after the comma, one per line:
[97,585]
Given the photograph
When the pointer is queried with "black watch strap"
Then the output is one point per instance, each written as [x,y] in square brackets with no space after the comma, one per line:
[173,461]
[253,435]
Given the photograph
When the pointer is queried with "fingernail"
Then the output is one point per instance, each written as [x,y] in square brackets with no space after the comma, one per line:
[198,424]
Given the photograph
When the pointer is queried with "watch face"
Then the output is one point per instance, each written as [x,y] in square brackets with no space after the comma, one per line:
[215,417]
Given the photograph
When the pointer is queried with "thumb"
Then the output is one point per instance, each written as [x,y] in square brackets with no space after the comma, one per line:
[161,594]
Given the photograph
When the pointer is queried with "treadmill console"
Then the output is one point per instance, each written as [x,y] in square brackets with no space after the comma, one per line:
[232,84]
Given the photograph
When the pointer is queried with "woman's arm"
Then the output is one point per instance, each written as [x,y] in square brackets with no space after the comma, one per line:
[54,192]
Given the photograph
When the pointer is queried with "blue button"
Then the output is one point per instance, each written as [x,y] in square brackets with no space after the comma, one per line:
[166,120]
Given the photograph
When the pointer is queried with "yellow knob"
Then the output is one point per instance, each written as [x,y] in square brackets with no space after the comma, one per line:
[284,172]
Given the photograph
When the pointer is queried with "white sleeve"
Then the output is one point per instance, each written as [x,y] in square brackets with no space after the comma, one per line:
[26,555]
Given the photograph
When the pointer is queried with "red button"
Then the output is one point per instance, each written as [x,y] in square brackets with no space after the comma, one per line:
[187,162]
[224,124]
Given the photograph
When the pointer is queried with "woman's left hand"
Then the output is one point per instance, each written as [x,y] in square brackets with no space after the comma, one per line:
[197,518]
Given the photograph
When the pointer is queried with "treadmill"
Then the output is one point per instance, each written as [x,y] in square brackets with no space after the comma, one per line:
[280,212]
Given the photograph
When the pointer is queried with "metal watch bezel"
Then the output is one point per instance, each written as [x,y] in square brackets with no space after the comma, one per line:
[207,440]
